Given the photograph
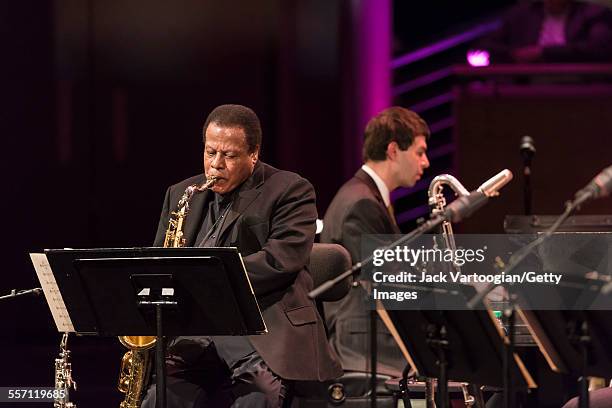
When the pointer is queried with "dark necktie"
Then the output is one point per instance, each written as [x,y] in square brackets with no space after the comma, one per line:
[213,222]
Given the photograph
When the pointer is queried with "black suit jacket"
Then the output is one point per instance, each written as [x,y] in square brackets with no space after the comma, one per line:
[358,209]
[272,223]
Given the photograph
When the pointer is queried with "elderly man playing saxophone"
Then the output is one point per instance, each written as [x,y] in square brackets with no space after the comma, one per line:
[269,215]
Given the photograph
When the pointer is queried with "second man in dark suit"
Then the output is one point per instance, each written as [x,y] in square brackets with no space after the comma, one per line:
[394,155]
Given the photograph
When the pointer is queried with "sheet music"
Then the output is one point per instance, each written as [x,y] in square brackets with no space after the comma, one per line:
[52,293]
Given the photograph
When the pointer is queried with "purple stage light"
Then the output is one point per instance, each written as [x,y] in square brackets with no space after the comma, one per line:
[478,58]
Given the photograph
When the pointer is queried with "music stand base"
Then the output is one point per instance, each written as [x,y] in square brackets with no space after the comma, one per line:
[160,369]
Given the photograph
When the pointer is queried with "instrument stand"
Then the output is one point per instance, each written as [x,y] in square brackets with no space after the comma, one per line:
[403,387]
[437,340]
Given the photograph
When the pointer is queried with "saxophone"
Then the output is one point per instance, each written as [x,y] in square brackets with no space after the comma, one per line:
[174,234]
[63,377]
[437,204]
[136,363]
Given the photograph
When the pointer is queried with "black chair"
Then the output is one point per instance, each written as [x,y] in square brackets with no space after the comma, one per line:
[350,391]
[326,262]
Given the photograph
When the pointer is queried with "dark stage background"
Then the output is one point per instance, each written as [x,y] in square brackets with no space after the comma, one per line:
[103,103]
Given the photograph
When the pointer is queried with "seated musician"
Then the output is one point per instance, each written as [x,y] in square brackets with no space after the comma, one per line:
[269,215]
[394,154]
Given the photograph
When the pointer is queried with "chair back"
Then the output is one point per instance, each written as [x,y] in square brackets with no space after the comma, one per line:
[326,262]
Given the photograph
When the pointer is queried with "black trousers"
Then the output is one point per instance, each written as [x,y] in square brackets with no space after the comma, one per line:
[202,376]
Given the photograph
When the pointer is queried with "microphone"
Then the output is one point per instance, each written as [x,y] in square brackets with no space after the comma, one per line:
[464,206]
[491,187]
[600,186]
[527,149]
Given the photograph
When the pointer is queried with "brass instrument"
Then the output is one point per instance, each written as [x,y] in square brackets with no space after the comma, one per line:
[174,234]
[430,393]
[468,399]
[135,367]
[136,364]
[437,204]
[63,377]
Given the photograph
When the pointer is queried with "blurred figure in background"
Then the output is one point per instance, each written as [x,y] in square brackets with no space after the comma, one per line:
[553,31]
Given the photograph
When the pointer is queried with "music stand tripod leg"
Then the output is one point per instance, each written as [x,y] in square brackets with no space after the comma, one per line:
[160,364]
[583,340]
[510,314]
[403,386]
[438,341]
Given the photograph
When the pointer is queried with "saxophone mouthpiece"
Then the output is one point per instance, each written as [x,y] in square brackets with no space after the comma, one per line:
[210,180]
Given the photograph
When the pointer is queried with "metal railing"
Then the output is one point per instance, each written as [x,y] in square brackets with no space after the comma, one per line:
[429,92]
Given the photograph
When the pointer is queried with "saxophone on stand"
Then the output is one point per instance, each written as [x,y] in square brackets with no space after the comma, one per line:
[63,377]
[136,363]
[437,203]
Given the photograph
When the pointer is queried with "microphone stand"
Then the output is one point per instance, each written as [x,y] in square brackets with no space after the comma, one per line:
[16,293]
[522,253]
[406,239]
[527,152]
[515,260]
[527,190]
[510,317]
[459,209]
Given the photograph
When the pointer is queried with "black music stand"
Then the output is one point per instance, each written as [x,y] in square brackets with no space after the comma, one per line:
[157,292]
[461,345]
[558,332]
[573,342]
[528,224]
